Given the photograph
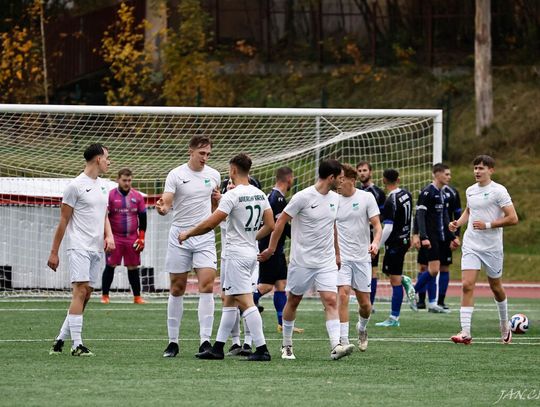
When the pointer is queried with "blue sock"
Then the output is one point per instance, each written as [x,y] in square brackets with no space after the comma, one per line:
[432,290]
[422,282]
[444,280]
[373,290]
[424,271]
[280,299]
[256,296]
[397,299]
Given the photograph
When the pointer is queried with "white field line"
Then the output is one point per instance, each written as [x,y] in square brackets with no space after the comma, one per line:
[488,340]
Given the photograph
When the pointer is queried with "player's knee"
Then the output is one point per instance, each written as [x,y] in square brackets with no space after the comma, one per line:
[177,289]
[468,287]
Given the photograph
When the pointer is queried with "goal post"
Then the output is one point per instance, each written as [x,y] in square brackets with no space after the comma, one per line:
[41,150]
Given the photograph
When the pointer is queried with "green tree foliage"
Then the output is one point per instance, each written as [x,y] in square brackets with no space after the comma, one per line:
[122,47]
[188,69]
[21,69]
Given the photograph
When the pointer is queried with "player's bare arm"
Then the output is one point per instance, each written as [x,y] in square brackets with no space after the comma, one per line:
[268,224]
[510,218]
[463,219]
[336,247]
[204,227]
[377,234]
[274,237]
[109,238]
[164,204]
[66,212]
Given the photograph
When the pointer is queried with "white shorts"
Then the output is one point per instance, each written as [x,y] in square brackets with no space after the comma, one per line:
[301,279]
[492,262]
[236,275]
[85,265]
[196,252]
[355,274]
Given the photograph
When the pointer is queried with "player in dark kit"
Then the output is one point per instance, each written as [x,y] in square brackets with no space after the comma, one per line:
[435,238]
[364,174]
[396,238]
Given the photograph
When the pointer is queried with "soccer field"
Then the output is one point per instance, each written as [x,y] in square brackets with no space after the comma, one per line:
[414,364]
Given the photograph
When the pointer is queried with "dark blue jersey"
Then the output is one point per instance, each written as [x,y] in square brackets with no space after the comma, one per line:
[277,203]
[432,216]
[453,204]
[377,192]
[397,211]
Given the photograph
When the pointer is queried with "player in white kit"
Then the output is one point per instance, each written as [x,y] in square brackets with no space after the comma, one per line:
[314,254]
[356,212]
[83,219]
[489,209]
[246,208]
[191,191]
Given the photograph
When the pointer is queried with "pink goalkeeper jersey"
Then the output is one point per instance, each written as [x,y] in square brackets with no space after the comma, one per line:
[124,212]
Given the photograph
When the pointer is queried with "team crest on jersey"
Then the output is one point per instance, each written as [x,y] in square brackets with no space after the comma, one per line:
[486,195]
[133,200]
[355,206]
[332,207]
[207,182]
[104,190]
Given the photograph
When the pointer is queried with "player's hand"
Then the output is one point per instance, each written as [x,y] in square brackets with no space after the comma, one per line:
[182,237]
[479,225]
[373,249]
[415,242]
[265,255]
[160,207]
[453,226]
[53,261]
[216,195]
[139,243]
[426,243]
[109,244]
[454,244]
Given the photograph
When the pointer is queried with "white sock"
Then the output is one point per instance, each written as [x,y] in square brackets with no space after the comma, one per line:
[64,331]
[288,327]
[465,315]
[247,333]
[344,333]
[252,318]
[432,304]
[503,311]
[235,332]
[332,327]
[75,328]
[228,316]
[362,323]
[206,315]
[175,309]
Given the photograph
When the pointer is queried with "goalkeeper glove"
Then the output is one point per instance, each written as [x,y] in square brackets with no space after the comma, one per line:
[139,243]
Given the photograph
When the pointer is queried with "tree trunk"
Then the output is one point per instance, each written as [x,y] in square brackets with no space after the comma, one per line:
[482,67]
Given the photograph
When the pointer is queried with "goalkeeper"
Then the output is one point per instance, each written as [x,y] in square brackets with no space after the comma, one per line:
[127,214]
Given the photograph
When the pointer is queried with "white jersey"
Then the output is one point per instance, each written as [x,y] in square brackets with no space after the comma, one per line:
[244,206]
[192,191]
[89,199]
[485,204]
[312,228]
[353,225]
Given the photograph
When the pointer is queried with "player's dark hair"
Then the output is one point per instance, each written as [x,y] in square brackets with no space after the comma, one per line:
[362,163]
[485,159]
[349,171]
[200,141]
[93,150]
[391,175]
[125,171]
[242,162]
[282,173]
[440,167]
[329,167]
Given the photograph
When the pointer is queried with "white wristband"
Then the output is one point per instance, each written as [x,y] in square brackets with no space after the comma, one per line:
[488,225]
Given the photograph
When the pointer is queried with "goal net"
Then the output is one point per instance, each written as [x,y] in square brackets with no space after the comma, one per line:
[41,151]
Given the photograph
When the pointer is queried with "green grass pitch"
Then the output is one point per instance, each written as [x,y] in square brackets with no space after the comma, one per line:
[414,364]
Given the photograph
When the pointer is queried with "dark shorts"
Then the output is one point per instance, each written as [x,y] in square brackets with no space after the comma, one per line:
[274,269]
[375,261]
[394,257]
[439,251]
